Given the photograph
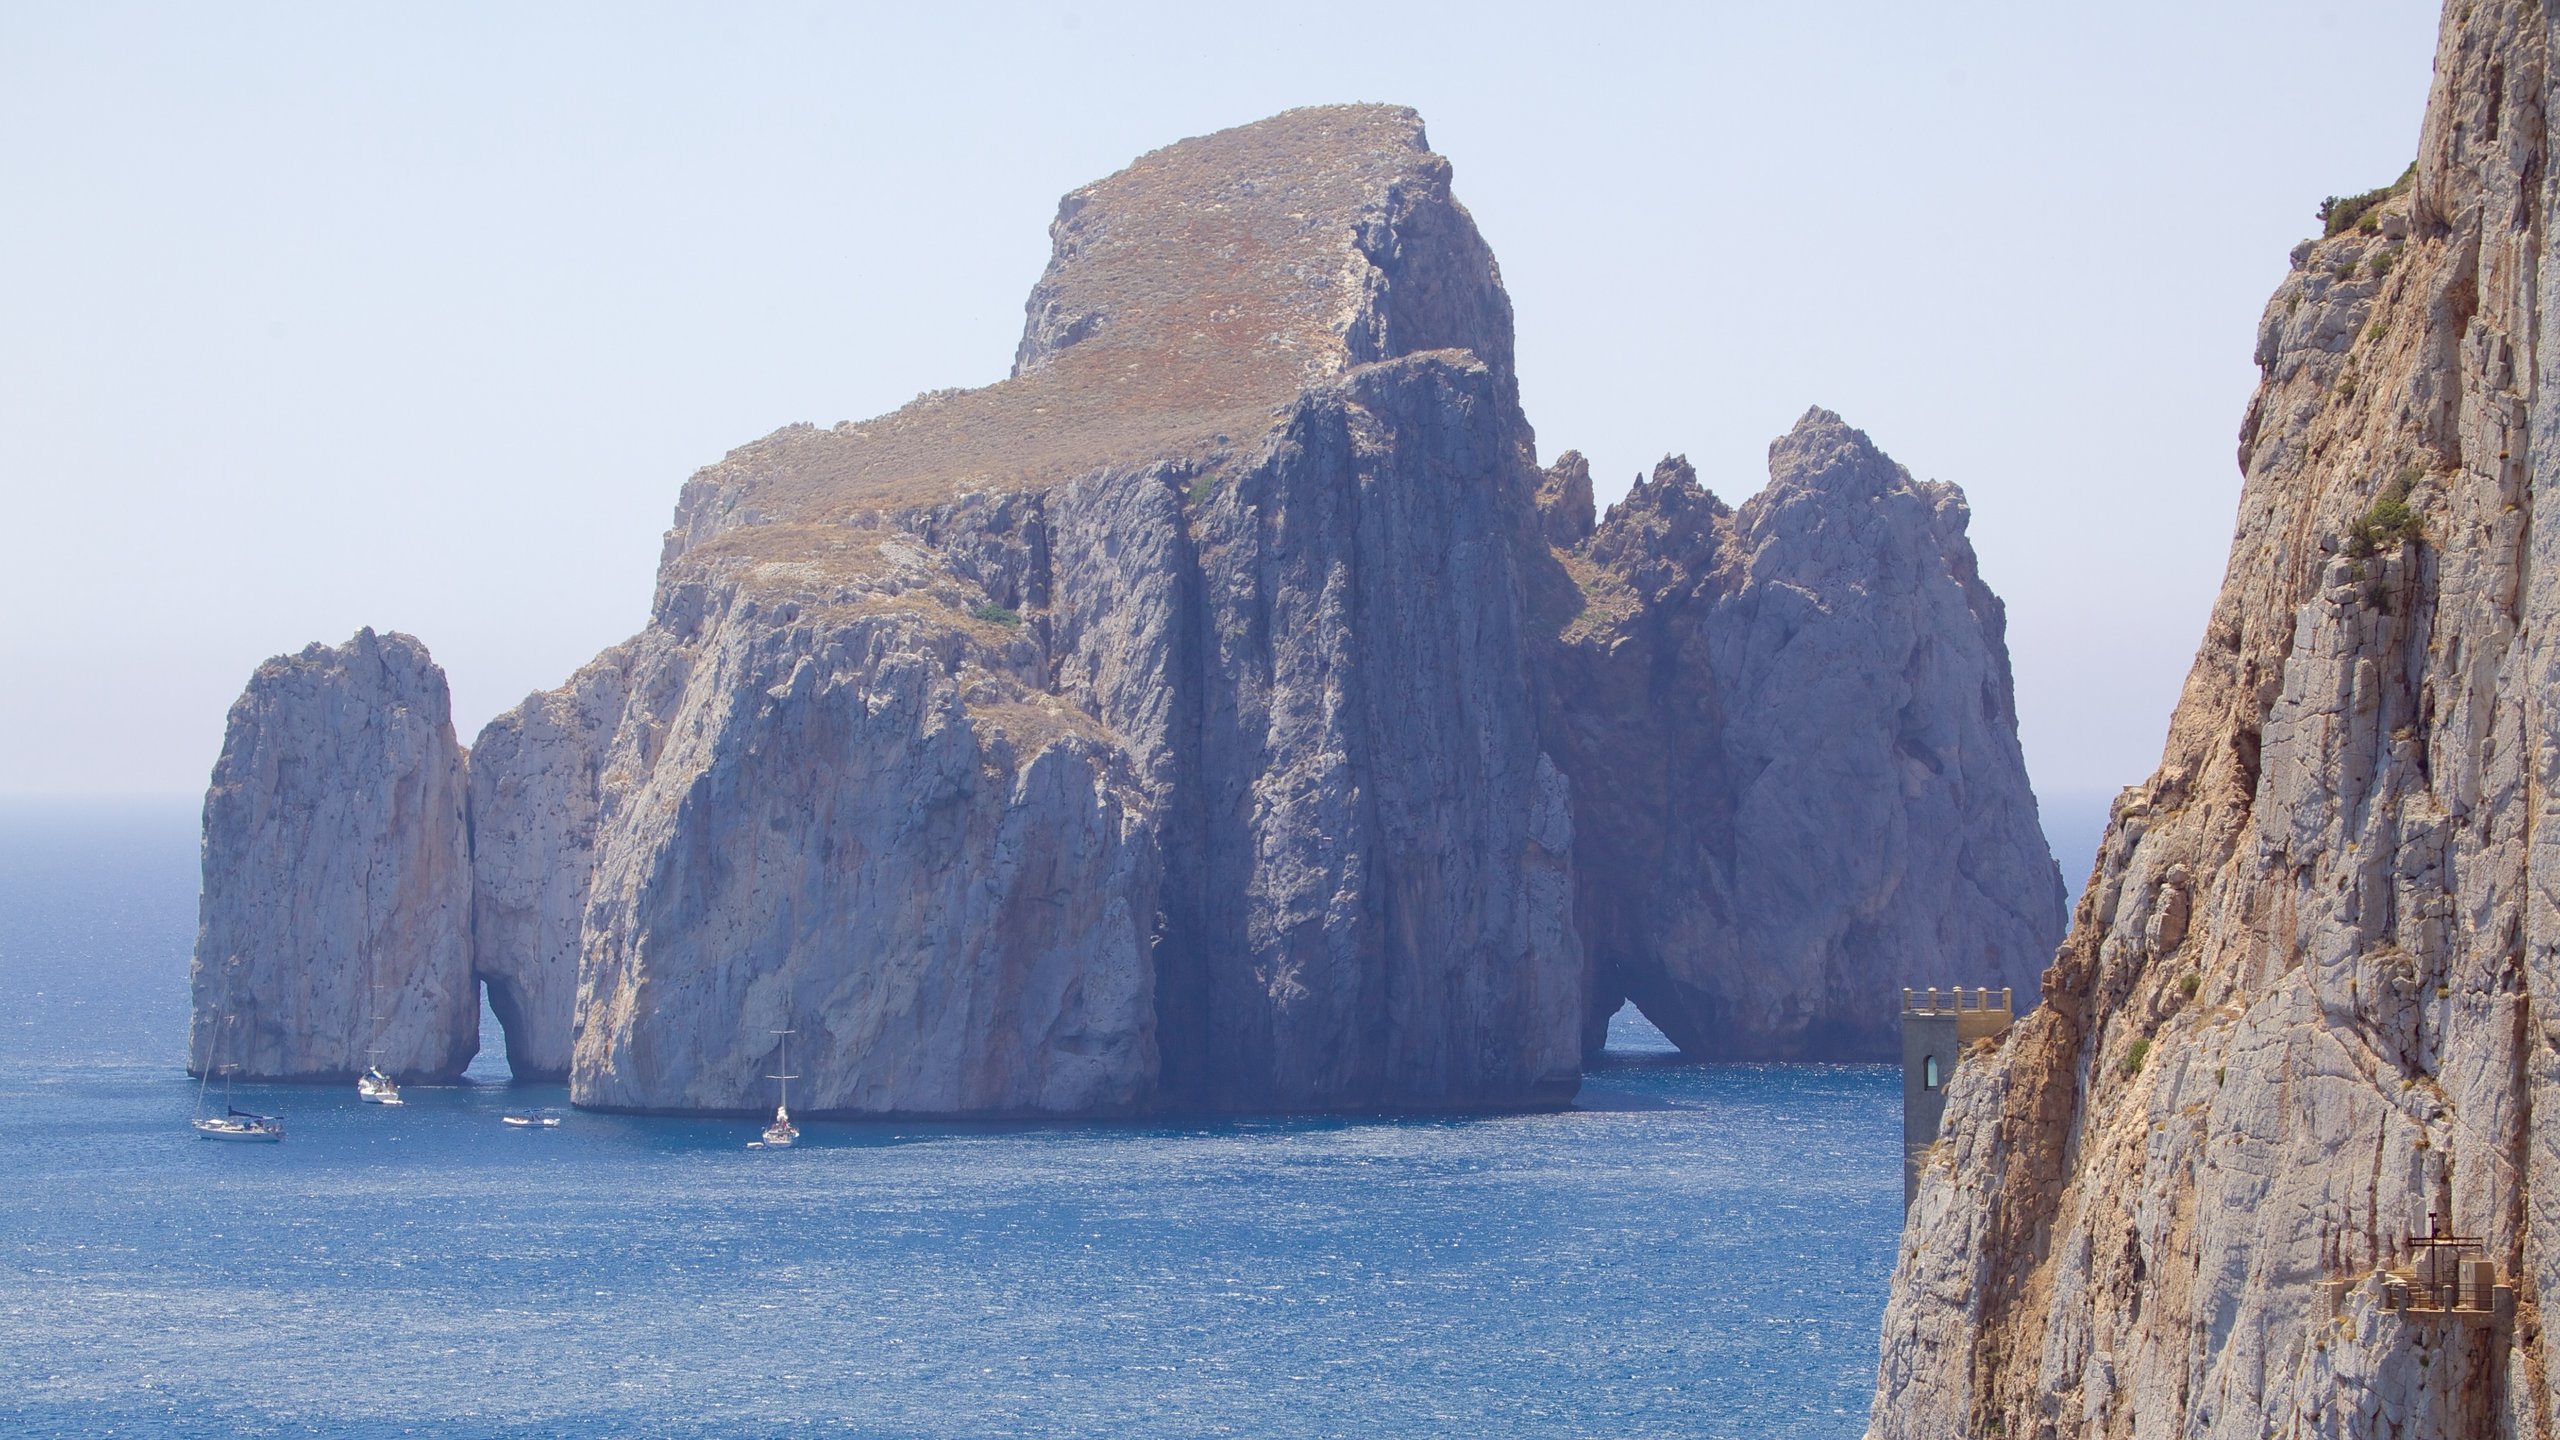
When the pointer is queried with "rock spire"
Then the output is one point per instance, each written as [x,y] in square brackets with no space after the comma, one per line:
[337,874]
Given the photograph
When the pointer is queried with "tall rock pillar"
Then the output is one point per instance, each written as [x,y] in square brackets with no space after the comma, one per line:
[337,874]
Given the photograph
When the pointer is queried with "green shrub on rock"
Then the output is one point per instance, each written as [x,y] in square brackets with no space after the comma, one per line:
[2389,520]
[2341,213]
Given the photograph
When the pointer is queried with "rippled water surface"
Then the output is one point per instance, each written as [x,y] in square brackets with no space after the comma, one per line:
[1694,1251]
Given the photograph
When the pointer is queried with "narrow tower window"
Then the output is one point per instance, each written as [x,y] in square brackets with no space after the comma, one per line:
[1929,1073]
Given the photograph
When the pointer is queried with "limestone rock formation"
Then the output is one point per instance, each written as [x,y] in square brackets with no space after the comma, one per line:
[1209,716]
[2312,992]
[538,785]
[1794,750]
[337,874]
[1152,727]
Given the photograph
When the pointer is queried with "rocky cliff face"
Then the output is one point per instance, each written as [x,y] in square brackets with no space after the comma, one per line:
[948,906]
[1150,728]
[2309,995]
[1794,749]
[538,784]
[337,874]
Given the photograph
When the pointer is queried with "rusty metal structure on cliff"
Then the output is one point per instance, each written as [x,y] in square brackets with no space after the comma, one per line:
[2439,1276]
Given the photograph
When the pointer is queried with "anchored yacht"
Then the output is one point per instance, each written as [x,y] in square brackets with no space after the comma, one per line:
[233,1123]
[375,1086]
[237,1124]
[782,1132]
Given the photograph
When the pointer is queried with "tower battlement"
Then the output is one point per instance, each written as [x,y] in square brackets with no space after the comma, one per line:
[1933,1001]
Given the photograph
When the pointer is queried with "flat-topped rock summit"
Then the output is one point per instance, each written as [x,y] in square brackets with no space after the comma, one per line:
[1186,299]
[1180,723]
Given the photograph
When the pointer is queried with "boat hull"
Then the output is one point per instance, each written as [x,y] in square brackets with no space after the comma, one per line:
[242,1134]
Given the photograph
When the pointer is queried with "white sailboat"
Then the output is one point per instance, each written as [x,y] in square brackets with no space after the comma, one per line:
[375,1086]
[233,1123]
[782,1132]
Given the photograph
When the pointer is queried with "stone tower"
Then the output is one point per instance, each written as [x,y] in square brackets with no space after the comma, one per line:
[1934,1033]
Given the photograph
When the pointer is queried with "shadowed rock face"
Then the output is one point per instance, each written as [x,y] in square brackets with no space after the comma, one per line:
[1150,728]
[1794,750]
[537,788]
[337,874]
[2309,994]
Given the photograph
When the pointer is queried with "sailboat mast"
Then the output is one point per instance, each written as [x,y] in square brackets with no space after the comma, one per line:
[785,1075]
[373,1005]
[204,1081]
[213,1044]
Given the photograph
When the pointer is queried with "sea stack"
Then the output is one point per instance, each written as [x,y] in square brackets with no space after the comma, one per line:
[1794,747]
[2308,1017]
[1152,727]
[337,874]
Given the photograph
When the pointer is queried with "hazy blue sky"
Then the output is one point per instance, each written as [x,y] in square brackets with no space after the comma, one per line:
[332,316]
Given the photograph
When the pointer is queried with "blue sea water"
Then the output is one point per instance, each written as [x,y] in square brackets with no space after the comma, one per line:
[1693,1251]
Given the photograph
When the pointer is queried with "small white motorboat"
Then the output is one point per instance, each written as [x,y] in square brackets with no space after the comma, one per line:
[531,1119]
[375,1088]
